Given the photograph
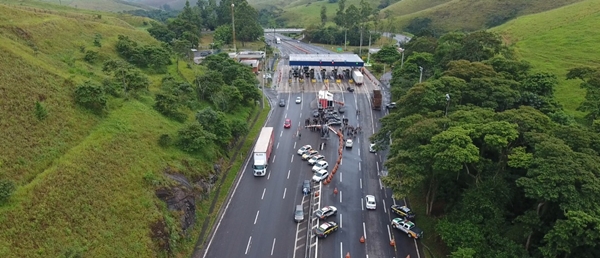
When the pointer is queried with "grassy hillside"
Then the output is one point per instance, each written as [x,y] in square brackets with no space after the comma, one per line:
[83,181]
[449,15]
[302,13]
[556,41]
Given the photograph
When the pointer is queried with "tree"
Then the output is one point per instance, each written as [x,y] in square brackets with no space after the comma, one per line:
[91,96]
[7,188]
[239,128]
[249,92]
[216,123]
[161,32]
[193,138]
[131,79]
[168,105]
[223,34]
[323,15]
[388,54]
[591,83]
[208,83]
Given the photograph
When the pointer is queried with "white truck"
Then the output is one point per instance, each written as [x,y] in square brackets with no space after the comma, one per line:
[407,227]
[357,76]
[278,40]
[262,151]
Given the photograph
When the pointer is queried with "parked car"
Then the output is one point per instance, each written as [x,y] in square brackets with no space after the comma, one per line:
[307,155]
[372,148]
[320,175]
[320,165]
[349,89]
[299,213]
[304,149]
[314,159]
[325,212]
[341,109]
[403,211]
[315,113]
[326,229]
[306,186]
[391,105]
[334,122]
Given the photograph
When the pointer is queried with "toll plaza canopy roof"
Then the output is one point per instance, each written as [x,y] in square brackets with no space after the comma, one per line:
[339,60]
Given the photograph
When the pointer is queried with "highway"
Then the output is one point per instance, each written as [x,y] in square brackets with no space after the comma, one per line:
[258,219]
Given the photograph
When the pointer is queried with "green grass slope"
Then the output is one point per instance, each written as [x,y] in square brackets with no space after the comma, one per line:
[80,178]
[556,41]
[101,5]
[450,15]
[303,13]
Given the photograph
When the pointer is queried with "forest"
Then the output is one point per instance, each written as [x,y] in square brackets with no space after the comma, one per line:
[501,165]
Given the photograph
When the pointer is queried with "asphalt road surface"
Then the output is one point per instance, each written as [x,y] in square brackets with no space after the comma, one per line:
[259,216]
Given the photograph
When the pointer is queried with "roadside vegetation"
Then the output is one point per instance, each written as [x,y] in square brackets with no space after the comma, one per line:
[103,125]
[495,160]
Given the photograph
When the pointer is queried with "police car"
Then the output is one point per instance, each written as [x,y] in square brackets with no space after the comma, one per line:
[326,228]
[403,211]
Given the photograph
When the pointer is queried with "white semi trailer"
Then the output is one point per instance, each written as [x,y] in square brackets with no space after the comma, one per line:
[357,77]
[262,151]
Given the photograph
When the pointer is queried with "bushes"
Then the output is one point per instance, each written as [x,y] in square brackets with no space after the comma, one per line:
[91,96]
[7,188]
[193,138]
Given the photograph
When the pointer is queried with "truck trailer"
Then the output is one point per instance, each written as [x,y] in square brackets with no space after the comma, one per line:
[278,40]
[376,99]
[262,151]
[358,77]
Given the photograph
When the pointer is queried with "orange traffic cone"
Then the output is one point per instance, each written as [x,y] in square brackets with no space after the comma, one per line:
[392,242]
[335,191]
[317,194]
[348,255]
[362,239]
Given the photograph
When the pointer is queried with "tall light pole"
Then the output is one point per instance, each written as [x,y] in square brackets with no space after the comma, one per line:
[233,27]
[421,76]
[402,51]
[360,47]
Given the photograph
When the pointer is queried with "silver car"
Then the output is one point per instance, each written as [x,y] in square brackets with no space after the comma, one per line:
[299,213]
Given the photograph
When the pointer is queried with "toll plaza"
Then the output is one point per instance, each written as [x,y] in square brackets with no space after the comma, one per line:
[315,72]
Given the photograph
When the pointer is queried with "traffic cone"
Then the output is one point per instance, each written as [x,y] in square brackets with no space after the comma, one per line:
[392,242]
[325,182]
[317,194]
[335,191]
[348,255]
[362,239]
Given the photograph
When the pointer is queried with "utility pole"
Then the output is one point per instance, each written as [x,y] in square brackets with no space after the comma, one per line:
[233,27]
[345,39]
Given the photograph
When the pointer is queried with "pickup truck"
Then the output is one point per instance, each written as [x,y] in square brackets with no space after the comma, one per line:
[407,227]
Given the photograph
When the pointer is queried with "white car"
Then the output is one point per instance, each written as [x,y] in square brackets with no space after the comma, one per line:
[370,202]
[313,160]
[320,165]
[349,143]
[372,148]
[298,100]
[320,175]
[304,149]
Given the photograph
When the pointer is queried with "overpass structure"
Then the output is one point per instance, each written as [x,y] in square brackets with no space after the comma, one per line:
[336,60]
[283,30]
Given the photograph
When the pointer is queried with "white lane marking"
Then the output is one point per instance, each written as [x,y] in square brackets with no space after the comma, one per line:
[417,248]
[284,191]
[340,177]
[285,115]
[340,196]
[389,232]
[384,209]
[359,152]
[394,200]
[256,218]
[359,167]
[263,195]
[341,222]
[341,250]
[277,146]
[292,158]
[377,163]
[248,245]
[294,145]
[362,204]
[365,231]
[280,134]
[269,175]
[341,160]
[360,180]
[288,177]
[298,123]
[300,109]
[380,184]
[274,158]
[273,247]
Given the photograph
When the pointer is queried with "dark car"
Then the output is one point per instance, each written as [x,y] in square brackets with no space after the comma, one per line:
[403,211]
[342,109]
[315,113]
[334,122]
[306,187]
[282,102]
[350,89]
[326,229]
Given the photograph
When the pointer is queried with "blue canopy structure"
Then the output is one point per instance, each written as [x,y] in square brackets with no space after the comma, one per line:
[338,60]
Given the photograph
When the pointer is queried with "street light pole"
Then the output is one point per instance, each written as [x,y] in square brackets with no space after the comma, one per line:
[360,47]
[421,76]
[233,27]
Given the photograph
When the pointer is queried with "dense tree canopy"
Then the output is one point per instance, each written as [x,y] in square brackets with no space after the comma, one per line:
[506,174]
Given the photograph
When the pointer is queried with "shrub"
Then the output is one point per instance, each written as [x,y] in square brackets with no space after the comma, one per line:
[164,140]
[7,188]
[91,96]
[91,56]
[40,111]
[193,138]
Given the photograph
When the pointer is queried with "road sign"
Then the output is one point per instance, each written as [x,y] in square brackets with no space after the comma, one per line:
[339,49]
